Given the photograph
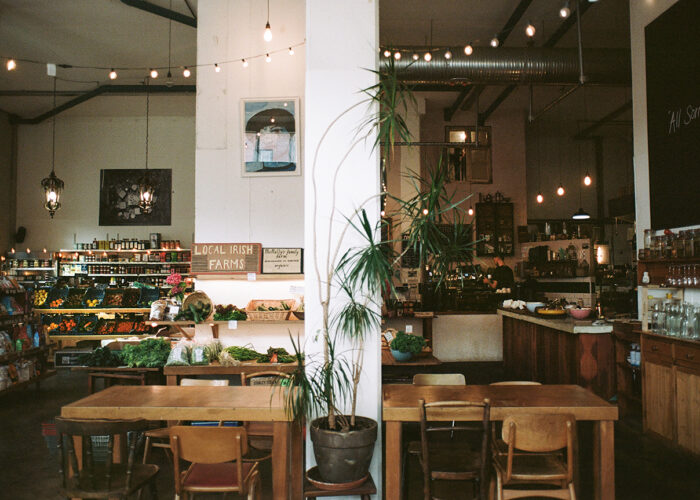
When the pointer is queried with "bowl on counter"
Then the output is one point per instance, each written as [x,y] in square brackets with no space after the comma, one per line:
[531,306]
[581,313]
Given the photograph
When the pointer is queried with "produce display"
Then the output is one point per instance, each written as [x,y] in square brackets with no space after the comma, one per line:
[282,307]
[150,353]
[405,342]
[75,299]
[141,327]
[102,356]
[131,297]
[197,312]
[92,302]
[105,327]
[273,355]
[67,325]
[40,297]
[229,313]
[113,299]
[124,326]
[87,324]
[56,303]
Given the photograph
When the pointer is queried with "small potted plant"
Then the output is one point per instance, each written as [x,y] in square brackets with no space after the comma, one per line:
[405,346]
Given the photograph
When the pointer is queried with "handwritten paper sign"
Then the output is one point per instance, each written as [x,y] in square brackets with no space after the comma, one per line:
[226,258]
[283,260]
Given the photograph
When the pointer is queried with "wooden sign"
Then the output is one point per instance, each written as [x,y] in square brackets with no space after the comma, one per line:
[283,261]
[226,258]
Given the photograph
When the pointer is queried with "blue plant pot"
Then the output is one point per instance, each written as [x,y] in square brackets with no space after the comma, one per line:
[401,356]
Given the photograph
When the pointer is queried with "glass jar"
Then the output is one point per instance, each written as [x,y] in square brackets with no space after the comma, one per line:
[647,239]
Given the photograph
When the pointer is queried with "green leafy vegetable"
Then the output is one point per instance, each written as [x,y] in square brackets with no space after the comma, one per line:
[102,356]
[150,353]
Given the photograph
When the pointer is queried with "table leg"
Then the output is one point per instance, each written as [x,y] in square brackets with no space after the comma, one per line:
[280,460]
[297,462]
[90,384]
[392,461]
[604,459]
[172,379]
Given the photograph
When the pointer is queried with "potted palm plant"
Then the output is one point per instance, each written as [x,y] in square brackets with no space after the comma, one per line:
[320,390]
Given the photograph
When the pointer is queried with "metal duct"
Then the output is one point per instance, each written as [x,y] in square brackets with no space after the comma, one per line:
[506,65]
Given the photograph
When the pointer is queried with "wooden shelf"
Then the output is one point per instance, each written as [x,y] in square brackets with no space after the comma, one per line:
[118,275]
[244,277]
[211,323]
[96,336]
[94,310]
[33,269]
[106,262]
[670,262]
[126,251]
[20,385]
[27,353]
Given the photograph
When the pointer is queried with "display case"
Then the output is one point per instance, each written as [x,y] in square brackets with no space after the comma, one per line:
[495,230]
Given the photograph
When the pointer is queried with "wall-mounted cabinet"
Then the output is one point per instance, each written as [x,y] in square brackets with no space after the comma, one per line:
[495,229]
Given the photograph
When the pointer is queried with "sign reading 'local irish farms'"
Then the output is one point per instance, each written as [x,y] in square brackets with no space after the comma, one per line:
[226,258]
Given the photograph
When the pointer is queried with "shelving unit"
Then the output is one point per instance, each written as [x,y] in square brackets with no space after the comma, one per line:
[628,377]
[657,270]
[34,380]
[214,325]
[495,229]
[23,274]
[96,310]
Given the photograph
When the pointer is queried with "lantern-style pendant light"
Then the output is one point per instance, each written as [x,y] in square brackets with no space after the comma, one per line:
[52,185]
[146,189]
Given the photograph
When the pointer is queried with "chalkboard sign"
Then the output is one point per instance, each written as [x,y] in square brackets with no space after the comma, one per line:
[225,258]
[673,115]
[283,260]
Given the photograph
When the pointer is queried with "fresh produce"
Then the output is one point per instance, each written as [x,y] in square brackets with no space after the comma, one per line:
[283,307]
[40,297]
[199,355]
[274,355]
[105,327]
[86,326]
[124,326]
[56,303]
[92,302]
[150,353]
[75,299]
[214,349]
[53,326]
[113,300]
[102,356]
[179,356]
[229,313]
[131,297]
[197,312]
[67,325]
[405,342]
[141,326]
[243,353]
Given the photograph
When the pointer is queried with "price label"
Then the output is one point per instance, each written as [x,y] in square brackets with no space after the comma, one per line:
[233,324]
[252,276]
[409,328]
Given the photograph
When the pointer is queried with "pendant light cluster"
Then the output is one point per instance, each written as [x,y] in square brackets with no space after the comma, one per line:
[52,185]
[267,34]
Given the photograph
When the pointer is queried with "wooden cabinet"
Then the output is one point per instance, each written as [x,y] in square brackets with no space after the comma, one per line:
[671,389]
[495,228]
[628,375]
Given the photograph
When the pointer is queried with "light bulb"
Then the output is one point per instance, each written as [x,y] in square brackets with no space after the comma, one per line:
[186,72]
[530,30]
[495,42]
[112,74]
[12,250]
[11,64]
[382,213]
[468,49]
[448,54]
[565,11]
[540,198]
[425,211]
[29,251]
[217,68]
[154,73]
[560,190]
[267,35]
[244,63]
[415,56]
[587,180]
[52,196]
[397,55]
[387,53]
[291,51]
[470,211]
[427,56]
[268,58]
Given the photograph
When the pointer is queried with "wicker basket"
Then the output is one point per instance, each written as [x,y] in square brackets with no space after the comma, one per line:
[196,297]
[254,315]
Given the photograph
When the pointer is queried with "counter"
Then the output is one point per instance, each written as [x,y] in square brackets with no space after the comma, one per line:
[567,324]
[558,351]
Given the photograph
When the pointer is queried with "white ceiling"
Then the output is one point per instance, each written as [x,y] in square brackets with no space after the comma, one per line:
[109,33]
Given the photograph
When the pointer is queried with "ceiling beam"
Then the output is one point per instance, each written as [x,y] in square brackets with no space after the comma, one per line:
[563,28]
[502,35]
[586,132]
[161,11]
[106,90]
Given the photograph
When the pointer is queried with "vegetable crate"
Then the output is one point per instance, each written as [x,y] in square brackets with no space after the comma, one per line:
[269,310]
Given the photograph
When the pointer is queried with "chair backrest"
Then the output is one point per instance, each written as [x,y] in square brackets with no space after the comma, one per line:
[516,382]
[538,433]
[66,428]
[201,382]
[262,378]
[439,379]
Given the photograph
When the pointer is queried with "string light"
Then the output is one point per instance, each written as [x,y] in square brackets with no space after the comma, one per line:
[427,56]
[448,54]
[539,198]
[425,211]
[154,73]
[382,213]
[387,53]
[267,34]
[291,51]
[468,49]
[217,68]
[495,42]
[112,74]
[397,55]
[560,190]
[587,180]
[244,63]
[267,58]
[11,64]
[186,72]
[565,11]
[415,56]
[470,211]
[530,30]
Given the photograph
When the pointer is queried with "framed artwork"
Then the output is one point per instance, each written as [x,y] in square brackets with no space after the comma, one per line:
[119,197]
[470,158]
[270,130]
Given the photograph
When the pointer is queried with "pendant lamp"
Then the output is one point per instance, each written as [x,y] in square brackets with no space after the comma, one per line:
[52,185]
[146,189]
[581,214]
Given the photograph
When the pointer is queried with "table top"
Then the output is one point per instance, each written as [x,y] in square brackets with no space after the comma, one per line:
[400,401]
[423,359]
[159,402]
[216,369]
[118,369]
[567,324]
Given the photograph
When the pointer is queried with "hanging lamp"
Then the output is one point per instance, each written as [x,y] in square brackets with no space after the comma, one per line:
[52,185]
[146,189]
[267,34]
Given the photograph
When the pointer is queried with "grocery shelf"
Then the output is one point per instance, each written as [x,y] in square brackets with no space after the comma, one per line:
[26,353]
[96,336]
[34,380]
[146,250]
[109,275]
[95,310]
[244,277]
[33,269]
[211,323]
[139,263]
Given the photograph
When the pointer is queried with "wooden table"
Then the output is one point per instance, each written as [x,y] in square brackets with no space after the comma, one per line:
[400,404]
[173,373]
[423,359]
[254,403]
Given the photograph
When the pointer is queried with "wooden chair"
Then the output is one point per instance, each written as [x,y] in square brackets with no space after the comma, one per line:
[536,437]
[260,433]
[498,446]
[215,456]
[515,382]
[439,379]
[96,480]
[453,460]
[160,438]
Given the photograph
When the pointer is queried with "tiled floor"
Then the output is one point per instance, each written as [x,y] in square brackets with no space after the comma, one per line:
[645,469]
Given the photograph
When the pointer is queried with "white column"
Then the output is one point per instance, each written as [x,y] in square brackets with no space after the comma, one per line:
[342,40]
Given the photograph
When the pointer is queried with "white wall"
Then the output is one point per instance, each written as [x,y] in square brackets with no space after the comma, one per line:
[105,133]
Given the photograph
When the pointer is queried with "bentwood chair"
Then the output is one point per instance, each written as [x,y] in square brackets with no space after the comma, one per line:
[160,438]
[216,465]
[536,437]
[453,460]
[439,379]
[101,478]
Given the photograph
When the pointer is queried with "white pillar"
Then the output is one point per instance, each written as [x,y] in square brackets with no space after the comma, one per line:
[342,44]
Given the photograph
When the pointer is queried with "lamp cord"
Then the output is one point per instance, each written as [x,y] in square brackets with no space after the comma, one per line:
[53,132]
[268,11]
[170,31]
[148,95]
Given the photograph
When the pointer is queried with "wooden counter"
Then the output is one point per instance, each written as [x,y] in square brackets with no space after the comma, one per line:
[558,352]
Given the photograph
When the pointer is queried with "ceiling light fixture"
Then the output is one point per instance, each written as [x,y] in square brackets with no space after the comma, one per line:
[448,54]
[11,64]
[397,55]
[387,53]
[267,58]
[186,72]
[290,51]
[267,34]
[427,56]
[146,189]
[154,73]
[244,63]
[495,42]
[112,74]
[539,198]
[587,180]
[415,56]
[52,185]
[530,30]
[217,68]
[581,214]
[565,11]
[468,49]
[560,190]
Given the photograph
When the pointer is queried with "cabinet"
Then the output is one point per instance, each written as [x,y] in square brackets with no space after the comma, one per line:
[628,376]
[494,228]
[671,389]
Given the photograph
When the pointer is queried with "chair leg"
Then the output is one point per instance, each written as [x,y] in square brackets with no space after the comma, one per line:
[146,449]
[572,491]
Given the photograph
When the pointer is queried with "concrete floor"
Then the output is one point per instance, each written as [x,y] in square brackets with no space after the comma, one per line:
[645,468]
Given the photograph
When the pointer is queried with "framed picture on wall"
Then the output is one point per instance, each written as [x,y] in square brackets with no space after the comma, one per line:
[270,129]
[119,197]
